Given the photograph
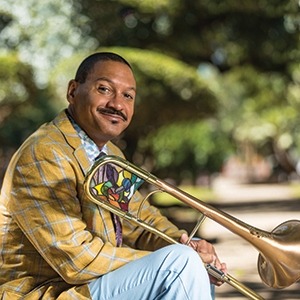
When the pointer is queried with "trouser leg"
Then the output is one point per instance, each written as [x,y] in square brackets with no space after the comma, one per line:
[173,272]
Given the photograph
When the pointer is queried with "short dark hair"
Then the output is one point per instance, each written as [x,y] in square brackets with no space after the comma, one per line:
[88,63]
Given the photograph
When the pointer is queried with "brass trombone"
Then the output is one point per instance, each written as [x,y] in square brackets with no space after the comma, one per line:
[279,250]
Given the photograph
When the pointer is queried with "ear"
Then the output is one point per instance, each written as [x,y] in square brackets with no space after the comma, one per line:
[72,86]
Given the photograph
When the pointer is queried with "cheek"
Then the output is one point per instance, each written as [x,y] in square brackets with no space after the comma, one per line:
[130,110]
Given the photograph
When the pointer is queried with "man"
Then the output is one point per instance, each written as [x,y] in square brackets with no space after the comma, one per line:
[54,242]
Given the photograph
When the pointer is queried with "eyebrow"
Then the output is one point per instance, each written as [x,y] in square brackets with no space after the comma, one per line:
[110,81]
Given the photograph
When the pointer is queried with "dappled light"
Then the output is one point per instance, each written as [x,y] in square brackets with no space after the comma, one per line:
[231,67]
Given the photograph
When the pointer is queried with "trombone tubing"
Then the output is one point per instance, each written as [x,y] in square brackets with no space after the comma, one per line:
[146,176]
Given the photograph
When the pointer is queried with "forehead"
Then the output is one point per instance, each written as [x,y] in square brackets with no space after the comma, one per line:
[114,71]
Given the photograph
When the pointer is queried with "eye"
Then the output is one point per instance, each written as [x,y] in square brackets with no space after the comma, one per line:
[104,89]
[129,96]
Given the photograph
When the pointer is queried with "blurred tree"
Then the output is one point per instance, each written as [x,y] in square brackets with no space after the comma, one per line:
[200,146]
[5,19]
[17,85]
[39,34]
[252,48]
[253,45]
[43,32]
[227,34]
[23,106]
[261,110]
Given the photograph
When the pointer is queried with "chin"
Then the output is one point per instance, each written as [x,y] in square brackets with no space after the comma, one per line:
[112,134]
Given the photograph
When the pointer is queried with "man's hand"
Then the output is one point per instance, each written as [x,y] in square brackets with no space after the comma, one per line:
[207,253]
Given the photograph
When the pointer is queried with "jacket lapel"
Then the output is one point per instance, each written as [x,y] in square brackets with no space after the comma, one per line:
[64,125]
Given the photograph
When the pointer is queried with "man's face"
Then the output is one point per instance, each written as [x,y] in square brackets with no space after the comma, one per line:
[103,105]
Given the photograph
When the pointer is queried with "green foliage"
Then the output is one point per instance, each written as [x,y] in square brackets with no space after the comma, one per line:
[25,119]
[231,66]
[261,33]
[17,84]
[255,104]
[199,146]
[23,105]
[43,32]
[63,72]
[261,109]
[150,6]
[253,44]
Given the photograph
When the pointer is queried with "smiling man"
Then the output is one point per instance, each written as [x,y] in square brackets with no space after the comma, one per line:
[54,242]
[102,104]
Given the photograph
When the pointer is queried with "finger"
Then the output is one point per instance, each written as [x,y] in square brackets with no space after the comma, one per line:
[184,238]
[193,244]
[207,258]
[217,263]
[215,282]
[224,268]
[205,247]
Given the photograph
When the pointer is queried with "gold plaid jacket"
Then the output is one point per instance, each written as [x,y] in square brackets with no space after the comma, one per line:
[53,241]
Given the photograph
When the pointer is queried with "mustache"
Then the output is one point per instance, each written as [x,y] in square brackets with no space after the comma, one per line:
[113,111]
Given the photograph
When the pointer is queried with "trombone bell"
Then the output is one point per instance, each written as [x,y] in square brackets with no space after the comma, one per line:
[279,263]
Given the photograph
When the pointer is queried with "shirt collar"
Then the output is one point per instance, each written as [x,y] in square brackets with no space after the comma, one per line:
[89,145]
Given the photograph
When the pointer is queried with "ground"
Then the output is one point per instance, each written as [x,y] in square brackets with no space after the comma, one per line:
[261,205]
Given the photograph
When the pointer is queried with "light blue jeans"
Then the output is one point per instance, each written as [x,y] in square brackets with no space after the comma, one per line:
[173,272]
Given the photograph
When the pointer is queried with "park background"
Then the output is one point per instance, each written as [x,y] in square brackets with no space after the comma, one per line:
[218,89]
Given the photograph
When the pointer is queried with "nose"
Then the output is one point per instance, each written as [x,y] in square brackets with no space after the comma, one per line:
[116,102]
